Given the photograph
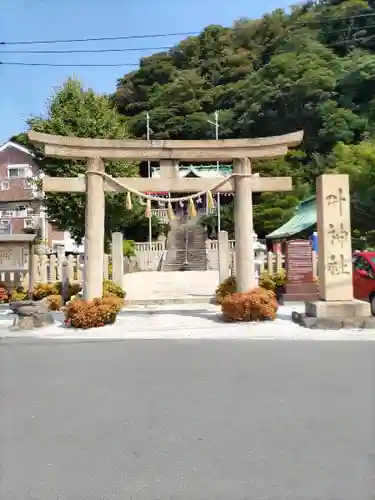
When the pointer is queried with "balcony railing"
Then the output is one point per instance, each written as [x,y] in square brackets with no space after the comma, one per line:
[29,212]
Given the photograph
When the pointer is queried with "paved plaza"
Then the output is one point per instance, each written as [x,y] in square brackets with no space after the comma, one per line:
[156,285]
[185,321]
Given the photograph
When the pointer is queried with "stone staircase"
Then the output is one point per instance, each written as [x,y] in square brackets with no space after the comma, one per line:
[186,248]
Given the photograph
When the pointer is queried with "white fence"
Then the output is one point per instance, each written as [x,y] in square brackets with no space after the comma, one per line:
[150,257]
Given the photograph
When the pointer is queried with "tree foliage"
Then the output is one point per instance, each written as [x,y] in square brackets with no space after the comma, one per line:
[310,69]
[75,111]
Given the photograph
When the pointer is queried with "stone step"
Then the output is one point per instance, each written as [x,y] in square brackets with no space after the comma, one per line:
[204,299]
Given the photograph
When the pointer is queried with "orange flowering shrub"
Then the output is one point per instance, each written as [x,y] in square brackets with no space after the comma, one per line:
[55,302]
[225,288]
[256,305]
[43,290]
[81,313]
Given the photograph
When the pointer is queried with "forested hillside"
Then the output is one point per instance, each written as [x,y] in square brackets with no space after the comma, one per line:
[311,69]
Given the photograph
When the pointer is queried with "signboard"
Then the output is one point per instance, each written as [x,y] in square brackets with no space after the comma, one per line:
[299,262]
[14,256]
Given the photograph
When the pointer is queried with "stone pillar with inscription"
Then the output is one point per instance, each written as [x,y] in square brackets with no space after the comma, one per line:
[334,240]
[336,307]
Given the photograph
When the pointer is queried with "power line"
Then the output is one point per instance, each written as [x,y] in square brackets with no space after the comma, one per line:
[163,35]
[358,28]
[69,65]
[99,39]
[82,51]
[342,18]
[136,49]
[105,65]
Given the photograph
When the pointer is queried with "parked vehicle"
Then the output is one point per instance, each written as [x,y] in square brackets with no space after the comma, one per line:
[364,277]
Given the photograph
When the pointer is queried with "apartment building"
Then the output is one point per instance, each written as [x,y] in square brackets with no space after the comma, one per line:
[21,203]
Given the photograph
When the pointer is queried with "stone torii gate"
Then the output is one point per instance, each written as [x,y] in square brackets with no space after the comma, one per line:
[168,153]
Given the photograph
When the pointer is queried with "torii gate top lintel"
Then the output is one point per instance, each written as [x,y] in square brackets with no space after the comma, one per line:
[138,149]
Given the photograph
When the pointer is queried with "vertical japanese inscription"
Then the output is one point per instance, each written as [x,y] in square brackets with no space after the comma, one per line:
[338,236]
[338,199]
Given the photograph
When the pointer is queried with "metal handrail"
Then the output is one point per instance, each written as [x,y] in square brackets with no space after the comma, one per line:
[186,246]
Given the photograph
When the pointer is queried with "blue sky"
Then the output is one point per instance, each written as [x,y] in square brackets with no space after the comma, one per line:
[25,90]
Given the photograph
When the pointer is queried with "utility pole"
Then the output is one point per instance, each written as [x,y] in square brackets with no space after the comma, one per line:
[149,175]
[215,123]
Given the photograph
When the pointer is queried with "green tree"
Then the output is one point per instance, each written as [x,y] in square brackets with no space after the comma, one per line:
[75,111]
[359,162]
[311,68]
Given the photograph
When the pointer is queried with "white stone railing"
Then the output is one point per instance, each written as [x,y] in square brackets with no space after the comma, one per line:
[160,213]
[154,246]
[149,257]
[47,268]
[213,245]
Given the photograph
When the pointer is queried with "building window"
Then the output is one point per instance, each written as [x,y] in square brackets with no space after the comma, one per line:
[19,171]
[28,223]
[4,185]
[4,226]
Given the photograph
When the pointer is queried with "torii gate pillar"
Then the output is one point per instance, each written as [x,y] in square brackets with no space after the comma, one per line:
[94,230]
[243,217]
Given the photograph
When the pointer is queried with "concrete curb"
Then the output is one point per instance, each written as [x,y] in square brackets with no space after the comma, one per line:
[172,300]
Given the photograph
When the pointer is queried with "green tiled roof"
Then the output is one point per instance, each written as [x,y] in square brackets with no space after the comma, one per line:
[304,218]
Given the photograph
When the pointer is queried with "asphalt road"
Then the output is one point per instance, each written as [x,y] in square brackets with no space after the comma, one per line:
[187,420]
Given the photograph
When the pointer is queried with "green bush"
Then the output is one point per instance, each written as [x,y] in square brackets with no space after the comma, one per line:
[225,288]
[18,295]
[270,281]
[128,248]
[110,288]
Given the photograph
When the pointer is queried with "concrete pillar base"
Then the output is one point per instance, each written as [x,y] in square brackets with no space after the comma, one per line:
[339,309]
[320,314]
